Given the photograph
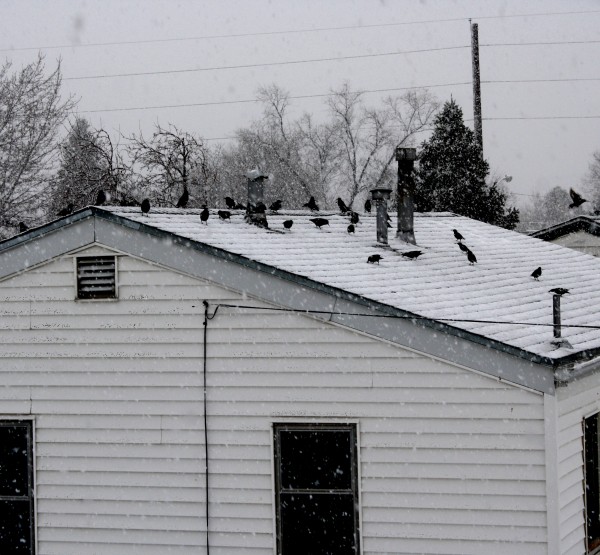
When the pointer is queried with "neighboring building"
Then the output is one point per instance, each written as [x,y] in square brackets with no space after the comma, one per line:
[410,406]
[581,233]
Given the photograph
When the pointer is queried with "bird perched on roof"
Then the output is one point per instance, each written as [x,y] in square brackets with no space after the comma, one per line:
[260,208]
[463,247]
[100,198]
[320,222]
[65,211]
[351,228]
[230,203]
[145,206]
[342,206]
[577,199]
[23,227]
[288,224]
[204,215]
[224,214]
[276,206]
[536,273]
[374,258]
[183,199]
[412,254]
[354,219]
[457,235]
[368,206]
[471,257]
[312,205]
[559,291]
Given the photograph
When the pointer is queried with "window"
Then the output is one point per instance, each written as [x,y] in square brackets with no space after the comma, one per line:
[592,483]
[96,277]
[316,489]
[16,487]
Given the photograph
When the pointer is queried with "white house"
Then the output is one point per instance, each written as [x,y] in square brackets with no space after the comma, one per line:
[581,233]
[173,387]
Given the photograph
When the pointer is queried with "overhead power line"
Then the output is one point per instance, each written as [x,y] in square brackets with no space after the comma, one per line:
[542,43]
[263,64]
[292,31]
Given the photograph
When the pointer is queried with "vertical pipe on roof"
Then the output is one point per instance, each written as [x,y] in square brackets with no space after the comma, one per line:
[380,198]
[406,160]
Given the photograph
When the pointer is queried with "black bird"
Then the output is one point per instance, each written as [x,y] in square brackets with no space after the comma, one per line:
[23,227]
[239,206]
[100,198]
[536,273]
[204,215]
[354,219]
[368,206]
[288,224]
[65,211]
[577,199]
[342,205]
[224,214]
[320,222]
[412,254]
[312,205]
[276,206]
[559,291]
[230,203]
[457,235]
[145,206]
[374,258]
[351,228]
[183,199]
[463,247]
[260,208]
[471,257]
[388,224]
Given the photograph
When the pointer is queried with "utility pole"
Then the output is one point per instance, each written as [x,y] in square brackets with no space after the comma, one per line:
[477,127]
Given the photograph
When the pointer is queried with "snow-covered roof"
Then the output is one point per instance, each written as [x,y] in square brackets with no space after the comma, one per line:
[495,298]
[588,223]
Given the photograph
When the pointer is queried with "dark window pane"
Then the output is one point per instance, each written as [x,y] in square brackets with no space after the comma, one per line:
[15,527]
[317,524]
[316,459]
[592,482]
[14,468]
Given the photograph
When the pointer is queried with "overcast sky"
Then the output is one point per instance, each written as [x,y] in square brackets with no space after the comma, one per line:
[98,40]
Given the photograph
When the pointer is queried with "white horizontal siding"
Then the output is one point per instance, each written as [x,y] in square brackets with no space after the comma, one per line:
[450,461]
[575,402]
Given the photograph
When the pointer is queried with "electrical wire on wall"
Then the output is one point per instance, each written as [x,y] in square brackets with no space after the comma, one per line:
[205,414]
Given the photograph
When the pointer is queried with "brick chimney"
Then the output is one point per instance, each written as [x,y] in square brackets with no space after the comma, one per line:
[255,186]
[406,160]
[380,198]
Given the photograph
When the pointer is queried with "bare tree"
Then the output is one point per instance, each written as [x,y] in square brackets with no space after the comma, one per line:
[368,136]
[169,163]
[592,181]
[31,113]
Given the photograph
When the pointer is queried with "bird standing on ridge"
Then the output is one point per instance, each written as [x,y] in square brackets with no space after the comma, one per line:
[351,228]
[100,198]
[183,199]
[145,206]
[536,273]
[368,206]
[354,219]
[276,206]
[288,224]
[65,211]
[342,206]
[230,203]
[413,255]
[23,227]
[577,199]
[471,257]
[224,214]
[312,205]
[204,215]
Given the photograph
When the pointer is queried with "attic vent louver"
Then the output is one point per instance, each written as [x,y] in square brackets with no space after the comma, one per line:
[96,277]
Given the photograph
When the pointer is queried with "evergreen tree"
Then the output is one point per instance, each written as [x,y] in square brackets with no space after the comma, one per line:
[451,174]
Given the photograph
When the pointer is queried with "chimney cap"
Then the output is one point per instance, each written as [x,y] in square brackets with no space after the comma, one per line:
[404,153]
[381,194]
[256,174]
